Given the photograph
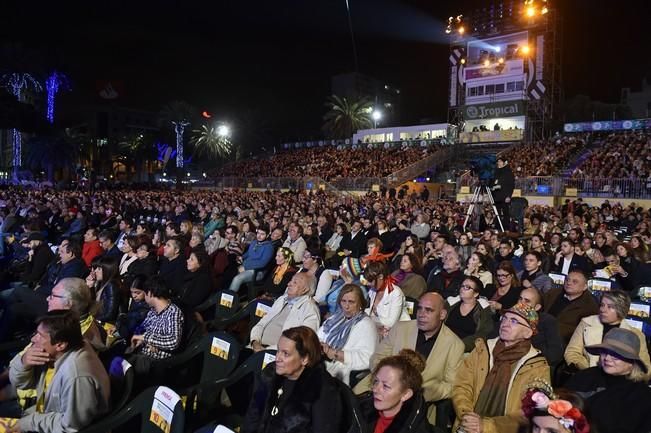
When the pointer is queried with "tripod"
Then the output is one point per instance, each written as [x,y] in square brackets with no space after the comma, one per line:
[476,199]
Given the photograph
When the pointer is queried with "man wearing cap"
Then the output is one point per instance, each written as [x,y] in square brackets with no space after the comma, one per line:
[39,256]
[616,393]
[492,379]
[502,189]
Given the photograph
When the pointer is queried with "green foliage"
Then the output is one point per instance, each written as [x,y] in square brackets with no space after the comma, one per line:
[345,117]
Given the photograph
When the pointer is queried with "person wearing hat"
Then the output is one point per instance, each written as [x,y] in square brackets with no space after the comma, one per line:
[39,256]
[613,309]
[502,189]
[492,379]
[617,397]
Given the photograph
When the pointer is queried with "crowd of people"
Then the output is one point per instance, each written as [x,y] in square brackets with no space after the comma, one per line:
[623,156]
[431,327]
[330,163]
[545,157]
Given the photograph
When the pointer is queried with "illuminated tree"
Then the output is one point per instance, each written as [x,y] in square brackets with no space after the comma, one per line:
[53,84]
[16,82]
[345,117]
[179,114]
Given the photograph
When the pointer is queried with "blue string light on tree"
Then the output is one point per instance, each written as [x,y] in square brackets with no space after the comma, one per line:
[16,82]
[55,81]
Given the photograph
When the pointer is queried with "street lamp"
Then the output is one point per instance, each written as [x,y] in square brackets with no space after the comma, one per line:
[376,115]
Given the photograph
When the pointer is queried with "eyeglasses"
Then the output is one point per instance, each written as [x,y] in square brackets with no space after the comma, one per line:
[503,275]
[513,321]
[52,295]
[466,287]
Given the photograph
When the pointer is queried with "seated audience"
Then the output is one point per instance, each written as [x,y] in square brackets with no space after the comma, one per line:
[397,404]
[199,281]
[162,329]
[430,337]
[618,399]
[295,393]
[548,412]
[467,318]
[71,396]
[507,291]
[104,282]
[548,338]
[533,274]
[255,258]
[275,283]
[570,304]
[477,266]
[488,399]
[294,308]
[613,309]
[408,276]
[386,302]
[348,337]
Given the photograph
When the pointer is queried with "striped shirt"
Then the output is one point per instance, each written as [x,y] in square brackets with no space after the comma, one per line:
[163,332]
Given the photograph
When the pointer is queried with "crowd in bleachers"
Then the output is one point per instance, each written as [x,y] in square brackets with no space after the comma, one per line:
[545,157]
[383,301]
[329,162]
[624,156]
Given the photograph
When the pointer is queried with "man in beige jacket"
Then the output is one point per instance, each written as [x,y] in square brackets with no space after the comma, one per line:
[429,336]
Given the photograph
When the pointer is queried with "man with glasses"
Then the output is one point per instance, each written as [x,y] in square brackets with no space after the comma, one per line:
[429,336]
[492,379]
[256,257]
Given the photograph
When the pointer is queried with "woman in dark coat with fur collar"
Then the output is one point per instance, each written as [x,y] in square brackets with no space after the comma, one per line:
[396,404]
[295,394]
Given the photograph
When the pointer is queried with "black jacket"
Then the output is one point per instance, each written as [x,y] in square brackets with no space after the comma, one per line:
[197,287]
[506,181]
[36,267]
[57,271]
[412,417]
[173,272]
[357,244]
[109,303]
[548,339]
[614,404]
[311,406]
[577,263]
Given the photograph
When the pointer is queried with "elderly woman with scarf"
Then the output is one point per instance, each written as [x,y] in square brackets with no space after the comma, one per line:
[349,336]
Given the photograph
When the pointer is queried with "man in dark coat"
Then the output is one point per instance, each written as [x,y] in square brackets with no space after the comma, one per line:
[502,189]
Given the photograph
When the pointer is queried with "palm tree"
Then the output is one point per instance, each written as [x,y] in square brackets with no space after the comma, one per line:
[55,81]
[211,141]
[51,152]
[137,150]
[345,117]
[179,115]
[16,82]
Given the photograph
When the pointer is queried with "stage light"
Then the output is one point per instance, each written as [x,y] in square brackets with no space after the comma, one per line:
[531,11]
[526,50]
[544,10]
[463,61]
[223,131]
[487,63]
[498,49]
[500,60]
[462,30]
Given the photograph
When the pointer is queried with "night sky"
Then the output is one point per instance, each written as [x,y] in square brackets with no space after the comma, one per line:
[270,63]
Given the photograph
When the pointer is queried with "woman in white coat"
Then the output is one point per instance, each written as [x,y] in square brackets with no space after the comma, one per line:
[349,336]
[613,309]
[386,300]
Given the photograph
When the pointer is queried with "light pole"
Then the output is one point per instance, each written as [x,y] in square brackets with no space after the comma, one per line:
[376,115]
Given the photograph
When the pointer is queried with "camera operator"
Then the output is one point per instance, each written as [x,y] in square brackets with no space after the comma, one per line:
[502,189]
